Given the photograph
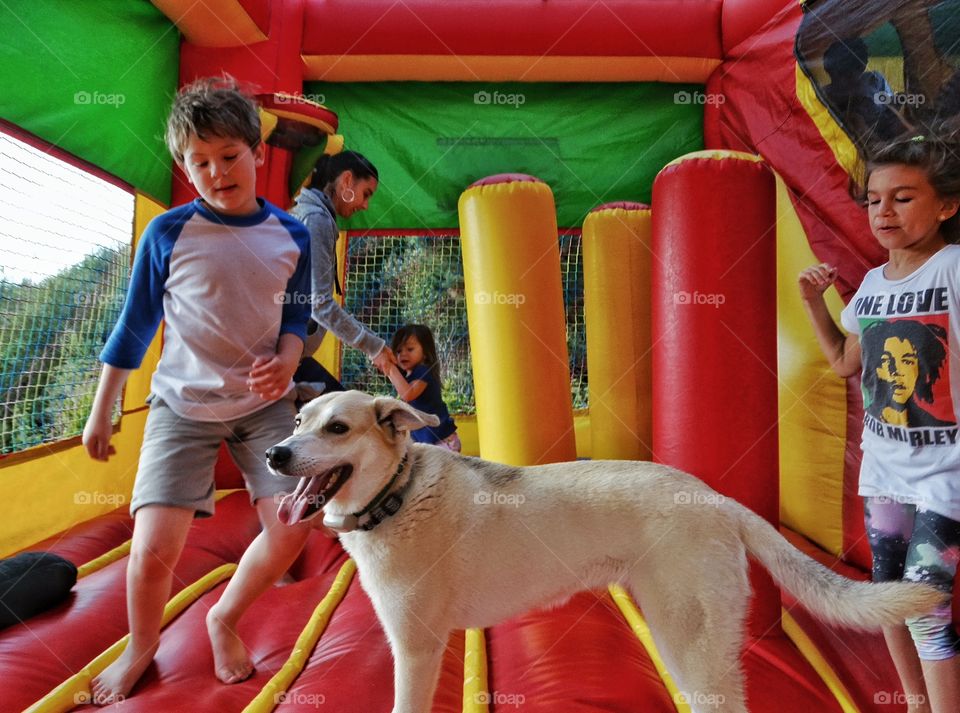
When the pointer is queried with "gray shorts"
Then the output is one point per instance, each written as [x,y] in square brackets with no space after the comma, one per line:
[178,455]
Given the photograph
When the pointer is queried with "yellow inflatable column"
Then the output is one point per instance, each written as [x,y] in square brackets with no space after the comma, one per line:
[521,375]
[616,307]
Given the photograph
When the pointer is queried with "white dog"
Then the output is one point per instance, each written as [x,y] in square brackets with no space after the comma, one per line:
[446,542]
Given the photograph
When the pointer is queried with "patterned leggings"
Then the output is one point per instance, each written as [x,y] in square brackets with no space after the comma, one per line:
[918,545]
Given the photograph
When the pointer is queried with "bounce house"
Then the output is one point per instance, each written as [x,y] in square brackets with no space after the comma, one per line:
[600,207]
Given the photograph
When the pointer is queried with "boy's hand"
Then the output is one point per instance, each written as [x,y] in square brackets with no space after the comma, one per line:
[269,378]
[814,281]
[96,438]
[99,427]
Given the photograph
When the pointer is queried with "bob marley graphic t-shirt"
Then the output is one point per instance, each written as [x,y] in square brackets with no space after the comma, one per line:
[908,338]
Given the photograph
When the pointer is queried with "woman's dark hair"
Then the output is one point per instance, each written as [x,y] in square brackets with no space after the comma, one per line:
[327,168]
[937,155]
[425,337]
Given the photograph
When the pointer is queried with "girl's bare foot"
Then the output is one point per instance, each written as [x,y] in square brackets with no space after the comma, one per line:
[231,662]
[116,681]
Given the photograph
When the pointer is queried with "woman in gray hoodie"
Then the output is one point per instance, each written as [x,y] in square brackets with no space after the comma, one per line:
[340,185]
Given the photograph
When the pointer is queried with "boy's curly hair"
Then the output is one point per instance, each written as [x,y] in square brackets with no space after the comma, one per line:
[212,106]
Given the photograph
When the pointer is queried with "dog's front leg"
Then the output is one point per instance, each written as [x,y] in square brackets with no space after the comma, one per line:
[416,669]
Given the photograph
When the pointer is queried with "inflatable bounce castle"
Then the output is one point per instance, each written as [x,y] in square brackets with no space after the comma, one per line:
[600,207]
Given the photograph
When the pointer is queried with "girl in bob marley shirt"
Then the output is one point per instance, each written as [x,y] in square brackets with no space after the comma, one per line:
[903,326]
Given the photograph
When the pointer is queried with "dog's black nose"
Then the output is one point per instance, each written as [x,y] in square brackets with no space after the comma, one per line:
[278,456]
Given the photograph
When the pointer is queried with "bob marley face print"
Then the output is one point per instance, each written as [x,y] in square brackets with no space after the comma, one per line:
[903,367]
[900,367]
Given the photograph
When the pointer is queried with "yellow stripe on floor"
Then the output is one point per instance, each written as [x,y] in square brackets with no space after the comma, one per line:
[635,619]
[98,563]
[76,689]
[273,693]
[812,654]
[476,688]
[122,550]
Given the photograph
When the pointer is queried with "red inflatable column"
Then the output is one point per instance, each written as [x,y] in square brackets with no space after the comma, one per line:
[714,326]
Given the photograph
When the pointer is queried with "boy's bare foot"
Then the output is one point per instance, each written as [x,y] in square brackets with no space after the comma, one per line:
[231,663]
[115,682]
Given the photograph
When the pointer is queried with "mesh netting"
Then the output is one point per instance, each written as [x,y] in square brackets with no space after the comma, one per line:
[395,280]
[64,264]
[571,267]
[392,281]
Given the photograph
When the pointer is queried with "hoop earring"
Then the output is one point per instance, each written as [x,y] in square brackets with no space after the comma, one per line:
[345,198]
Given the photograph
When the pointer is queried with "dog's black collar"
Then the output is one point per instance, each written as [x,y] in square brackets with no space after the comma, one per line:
[383,505]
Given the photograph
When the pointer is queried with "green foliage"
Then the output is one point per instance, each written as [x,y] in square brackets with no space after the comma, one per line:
[392,281]
[396,281]
[571,264]
[50,335]
[51,332]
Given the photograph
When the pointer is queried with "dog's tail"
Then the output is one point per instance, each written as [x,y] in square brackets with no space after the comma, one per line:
[828,595]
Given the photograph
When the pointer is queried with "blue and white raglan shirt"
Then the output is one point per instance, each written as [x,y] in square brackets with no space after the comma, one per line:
[909,333]
[227,288]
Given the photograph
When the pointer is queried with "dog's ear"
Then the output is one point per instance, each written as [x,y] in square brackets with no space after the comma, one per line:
[400,416]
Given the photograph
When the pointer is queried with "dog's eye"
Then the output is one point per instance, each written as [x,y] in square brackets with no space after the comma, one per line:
[296,422]
[337,427]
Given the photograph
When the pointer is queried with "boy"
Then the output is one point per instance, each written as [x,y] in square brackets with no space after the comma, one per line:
[215,270]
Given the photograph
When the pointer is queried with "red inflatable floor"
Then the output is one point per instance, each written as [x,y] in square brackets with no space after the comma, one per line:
[578,658]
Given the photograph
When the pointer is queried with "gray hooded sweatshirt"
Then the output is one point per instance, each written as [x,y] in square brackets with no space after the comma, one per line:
[315,210]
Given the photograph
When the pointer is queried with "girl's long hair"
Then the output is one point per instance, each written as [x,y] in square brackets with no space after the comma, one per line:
[425,337]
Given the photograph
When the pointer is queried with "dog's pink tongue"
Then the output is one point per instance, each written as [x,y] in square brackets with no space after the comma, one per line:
[293,506]
[290,510]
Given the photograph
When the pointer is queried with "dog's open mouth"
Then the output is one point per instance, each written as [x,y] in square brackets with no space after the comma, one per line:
[312,494]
